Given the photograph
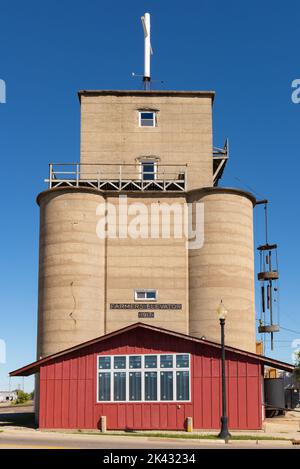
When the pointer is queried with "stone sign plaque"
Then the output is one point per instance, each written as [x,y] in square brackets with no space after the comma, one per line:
[148,306]
[146,314]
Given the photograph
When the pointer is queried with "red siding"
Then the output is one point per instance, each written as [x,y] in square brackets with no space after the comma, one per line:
[68,388]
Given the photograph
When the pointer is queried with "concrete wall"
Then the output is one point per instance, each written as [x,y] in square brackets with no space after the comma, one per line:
[224,269]
[110,131]
[150,263]
[80,275]
[71,270]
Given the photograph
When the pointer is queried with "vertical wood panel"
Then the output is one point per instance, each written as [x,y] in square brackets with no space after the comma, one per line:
[57,408]
[216,400]
[146,416]
[207,402]
[73,403]
[89,404]
[42,404]
[121,415]
[180,417]
[91,366]
[50,403]
[137,416]
[163,415]
[65,403]
[74,368]
[81,403]
[253,403]
[43,372]
[206,366]
[58,370]
[66,369]
[81,367]
[215,367]
[197,402]
[172,418]
[51,371]
[242,402]
[232,392]
[154,416]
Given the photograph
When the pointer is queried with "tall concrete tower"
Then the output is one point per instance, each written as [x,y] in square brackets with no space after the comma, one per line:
[148,149]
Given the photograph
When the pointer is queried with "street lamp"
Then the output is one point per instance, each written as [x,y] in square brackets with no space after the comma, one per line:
[224,433]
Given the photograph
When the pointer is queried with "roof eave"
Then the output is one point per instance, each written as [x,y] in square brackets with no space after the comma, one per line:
[35,366]
[179,93]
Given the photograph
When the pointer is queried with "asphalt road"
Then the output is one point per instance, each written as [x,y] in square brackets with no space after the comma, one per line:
[18,439]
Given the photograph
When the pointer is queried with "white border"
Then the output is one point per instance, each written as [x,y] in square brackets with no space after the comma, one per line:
[145,290]
[148,160]
[147,126]
[127,370]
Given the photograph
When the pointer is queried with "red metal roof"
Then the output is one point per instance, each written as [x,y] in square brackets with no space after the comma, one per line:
[35,366]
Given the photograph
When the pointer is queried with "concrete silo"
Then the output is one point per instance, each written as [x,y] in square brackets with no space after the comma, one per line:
[224,268]
[71,269]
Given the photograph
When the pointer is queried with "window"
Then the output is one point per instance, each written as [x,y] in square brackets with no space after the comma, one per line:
[166,385]
[150,361]
[135,361]
[148,170]
[182,385]
[145,295]
[140,378]
[135,386]
[104,386]
[166,361]
[120,386]
[151,386]
[119,362]
[104,363]
[147,118]
[182,361]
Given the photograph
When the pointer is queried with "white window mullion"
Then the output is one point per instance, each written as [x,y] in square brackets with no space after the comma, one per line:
[174,383]
[143,378]
[158,379]
[127,371]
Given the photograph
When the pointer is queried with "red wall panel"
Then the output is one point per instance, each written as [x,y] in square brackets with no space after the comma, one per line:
[68,388]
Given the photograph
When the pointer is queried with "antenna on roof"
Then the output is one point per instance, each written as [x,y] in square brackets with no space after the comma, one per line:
[147,49]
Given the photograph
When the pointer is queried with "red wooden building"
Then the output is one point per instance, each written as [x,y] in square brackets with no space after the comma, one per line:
[143,377]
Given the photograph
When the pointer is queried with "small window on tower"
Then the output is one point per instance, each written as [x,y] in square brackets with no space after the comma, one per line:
[147,119]
[145,295]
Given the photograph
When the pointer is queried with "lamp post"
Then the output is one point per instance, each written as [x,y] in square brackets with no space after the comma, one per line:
[224,433]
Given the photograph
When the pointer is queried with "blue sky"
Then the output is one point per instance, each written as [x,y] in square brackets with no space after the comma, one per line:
[246,51]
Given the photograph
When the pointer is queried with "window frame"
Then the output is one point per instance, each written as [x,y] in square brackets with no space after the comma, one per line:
[143,370]
[146,290]
[154,120]
[144,161]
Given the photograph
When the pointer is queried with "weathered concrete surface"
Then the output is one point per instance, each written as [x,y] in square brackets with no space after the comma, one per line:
[110,132]
[71,270]
[224,269]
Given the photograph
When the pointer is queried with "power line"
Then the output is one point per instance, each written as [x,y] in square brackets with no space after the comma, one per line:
[290,330]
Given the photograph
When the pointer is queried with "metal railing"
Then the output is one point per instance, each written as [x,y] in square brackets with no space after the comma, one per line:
[220,158]
[119,177]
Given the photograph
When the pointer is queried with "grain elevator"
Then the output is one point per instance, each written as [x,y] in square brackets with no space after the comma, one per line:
[151,150]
